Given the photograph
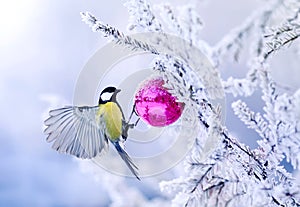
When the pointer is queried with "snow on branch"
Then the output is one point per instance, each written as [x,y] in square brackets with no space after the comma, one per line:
[279,138]
[186,23]
[244,86]
[254,25]
[267,39]
[191,24]
[283,35]
[169,16]
[251,119]
[119,37]
[287,115]
[142,16]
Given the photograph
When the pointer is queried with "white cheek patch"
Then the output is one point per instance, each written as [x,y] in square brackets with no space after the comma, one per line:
[106,96]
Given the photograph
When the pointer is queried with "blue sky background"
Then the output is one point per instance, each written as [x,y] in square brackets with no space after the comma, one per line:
[43,47]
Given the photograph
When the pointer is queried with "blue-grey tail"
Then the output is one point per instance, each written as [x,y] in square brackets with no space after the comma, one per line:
[129,162]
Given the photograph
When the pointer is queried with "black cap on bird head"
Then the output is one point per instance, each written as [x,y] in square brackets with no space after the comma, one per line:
[108,94]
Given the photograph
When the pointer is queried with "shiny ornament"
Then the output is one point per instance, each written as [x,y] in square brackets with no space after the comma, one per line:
[155,105]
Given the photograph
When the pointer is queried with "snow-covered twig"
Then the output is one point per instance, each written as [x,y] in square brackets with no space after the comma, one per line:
[283,35]
[118,36]
[142,16]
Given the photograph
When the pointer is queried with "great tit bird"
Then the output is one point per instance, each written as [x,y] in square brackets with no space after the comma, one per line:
[84,131]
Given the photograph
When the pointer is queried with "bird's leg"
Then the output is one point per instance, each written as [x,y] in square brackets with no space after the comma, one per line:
[126,124]
[125,128]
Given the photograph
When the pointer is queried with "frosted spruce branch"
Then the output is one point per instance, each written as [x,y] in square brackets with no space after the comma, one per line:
[262,24]
[142,16]
[285,131]
[119,37]
[244,86]
[283,35]
[287,112]
[276,142]
[188,26]
[256,22]
[251,119]
[255,25]
[191,24]
[168,15]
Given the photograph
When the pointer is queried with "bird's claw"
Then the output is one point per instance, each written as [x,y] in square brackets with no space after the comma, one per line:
[131,126]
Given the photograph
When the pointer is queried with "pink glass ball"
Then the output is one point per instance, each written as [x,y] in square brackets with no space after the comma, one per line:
[155,105]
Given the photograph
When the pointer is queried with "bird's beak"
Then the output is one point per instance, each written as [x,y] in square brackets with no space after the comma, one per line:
[118,90]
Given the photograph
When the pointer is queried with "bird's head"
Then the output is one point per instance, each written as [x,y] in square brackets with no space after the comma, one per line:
[108,94]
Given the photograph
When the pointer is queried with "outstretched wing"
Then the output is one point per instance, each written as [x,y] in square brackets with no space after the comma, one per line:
[76,131]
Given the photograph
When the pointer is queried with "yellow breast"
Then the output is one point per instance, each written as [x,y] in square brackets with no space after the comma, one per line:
[112,116]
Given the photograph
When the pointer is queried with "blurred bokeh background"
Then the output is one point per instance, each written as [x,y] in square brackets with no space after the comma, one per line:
[43,47]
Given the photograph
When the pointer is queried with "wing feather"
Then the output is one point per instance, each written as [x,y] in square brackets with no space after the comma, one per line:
[57,123]
[74,130]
